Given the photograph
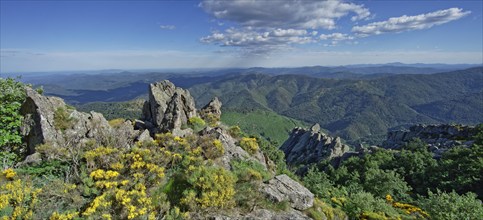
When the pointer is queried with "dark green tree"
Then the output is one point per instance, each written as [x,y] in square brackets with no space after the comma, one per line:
[12,94]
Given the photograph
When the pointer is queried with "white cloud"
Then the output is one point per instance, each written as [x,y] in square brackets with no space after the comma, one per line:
[259,42]
[167,27]
[336,37]
[297,14]
[276,24]
[409,23]
[288,32]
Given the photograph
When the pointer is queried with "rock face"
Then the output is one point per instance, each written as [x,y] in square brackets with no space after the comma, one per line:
[261,214]
[283,188]
[168,107]
[48,120]
[213,108]
[231,150]
[438,137]
[311,146]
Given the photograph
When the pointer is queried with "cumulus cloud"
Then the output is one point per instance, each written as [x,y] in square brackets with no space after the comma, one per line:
[336,37]
[248,37]
[297,14]
[409,23]
[167,27]
[277,24]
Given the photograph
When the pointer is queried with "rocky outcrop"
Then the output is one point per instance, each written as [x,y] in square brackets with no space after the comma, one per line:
[48,120]
[282,188]
[311,146]
[231,150]
[168,108]
[261,214]
[439,138]
[212,108]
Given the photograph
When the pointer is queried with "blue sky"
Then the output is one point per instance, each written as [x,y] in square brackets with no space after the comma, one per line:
[90,35]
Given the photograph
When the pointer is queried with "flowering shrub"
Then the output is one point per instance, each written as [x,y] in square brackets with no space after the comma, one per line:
[213,187]
[407,208]
[116,122]
[9,173]
[212,119]
[17,199]
[249,144]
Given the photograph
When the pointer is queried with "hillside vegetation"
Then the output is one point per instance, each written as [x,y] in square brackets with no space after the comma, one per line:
[356,108]
[266,124]
[173,177]
[112,110]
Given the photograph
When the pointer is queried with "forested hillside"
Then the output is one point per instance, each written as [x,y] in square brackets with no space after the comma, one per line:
[356,109]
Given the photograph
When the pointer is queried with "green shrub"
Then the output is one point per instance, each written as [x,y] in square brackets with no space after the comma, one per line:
[58,196]
[270,150]
[11,97]
[235,131]
[362,202]
[196,123]
[319,184]
[248,170]
[442,206]
[50,168]
[381,183]
[321,211]
[62,119]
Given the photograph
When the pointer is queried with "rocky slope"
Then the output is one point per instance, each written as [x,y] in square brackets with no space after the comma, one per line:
[311,146]
[439,138]
[48,120]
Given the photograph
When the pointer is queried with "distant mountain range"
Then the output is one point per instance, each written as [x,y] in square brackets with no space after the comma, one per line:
[360,101]
[356,108]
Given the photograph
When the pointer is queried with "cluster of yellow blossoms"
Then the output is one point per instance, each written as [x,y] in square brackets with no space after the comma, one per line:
[408,208]
[9,173]
[19,195]
[249,144]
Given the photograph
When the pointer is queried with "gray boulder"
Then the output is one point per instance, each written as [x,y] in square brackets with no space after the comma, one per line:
[290,214]
[311,146]
[38,124]
[258,214]
[145,137]
[283,188]
[48,120]
[169,107]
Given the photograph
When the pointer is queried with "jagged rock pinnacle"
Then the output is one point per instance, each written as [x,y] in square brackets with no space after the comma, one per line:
[315,128]
[169,107]
[311,146]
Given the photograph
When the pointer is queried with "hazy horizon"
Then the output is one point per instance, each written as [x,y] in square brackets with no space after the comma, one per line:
[49,36]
